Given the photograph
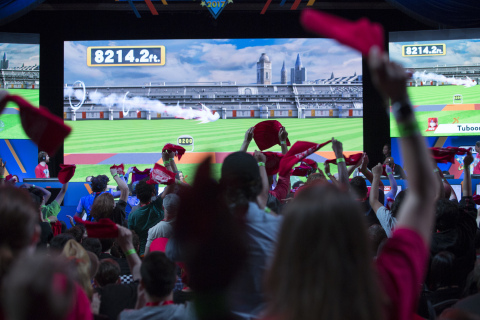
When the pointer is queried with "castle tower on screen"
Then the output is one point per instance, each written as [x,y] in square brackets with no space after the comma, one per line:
[264,70]
[298,74]
[283,74]
[4,62]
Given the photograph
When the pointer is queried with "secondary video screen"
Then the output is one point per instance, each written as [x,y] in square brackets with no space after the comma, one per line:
[20,75]
[444,88]
[126,99]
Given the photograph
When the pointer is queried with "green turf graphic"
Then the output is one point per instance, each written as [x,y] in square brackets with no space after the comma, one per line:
[441,95]
[10,126]
[141,136]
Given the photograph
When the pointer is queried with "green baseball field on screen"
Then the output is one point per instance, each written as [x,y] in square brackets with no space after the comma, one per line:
[441,95]
[12,128]
[144,136]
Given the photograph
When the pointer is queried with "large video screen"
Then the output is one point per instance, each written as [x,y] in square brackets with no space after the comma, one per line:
[126,99]
[20,70]
[446,72]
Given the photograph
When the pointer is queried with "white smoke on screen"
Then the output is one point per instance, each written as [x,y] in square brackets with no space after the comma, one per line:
[126,103]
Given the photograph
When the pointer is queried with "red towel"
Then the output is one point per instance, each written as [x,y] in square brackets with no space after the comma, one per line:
[120,169]
[138,175]
[161,175]
[66,172]
[45,129]
[302,170]
[272,164]
[179,151]
[104,228]
[360,35]
[350,160]
[445,155]
[9,177]
[56,228]
[299,151]
[265,134]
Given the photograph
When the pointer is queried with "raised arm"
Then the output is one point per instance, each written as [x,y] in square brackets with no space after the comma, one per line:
[417,211]
[341,165]
[440,194]
[367,173]
[62,193]
[125,242]
[377,172]
[391,179]
[467,178]
[248,138]
[282,136]
[46,193]
[121,184]
[262,198]
[329,175]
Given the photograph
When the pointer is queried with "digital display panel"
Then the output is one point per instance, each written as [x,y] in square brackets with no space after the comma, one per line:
[444,87]
[204,94]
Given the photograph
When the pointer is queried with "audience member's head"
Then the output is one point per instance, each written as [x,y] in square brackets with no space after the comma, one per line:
[359,188]
[297,184]
[322,239]
[108,273]
[448,190]
[389,162]
[145,191]
[107,244]
[442,271]
[30,292]
[240,179]
[316,177]
[158,275]
[377,236]
[103,206]
[43,157]
[37,197]
[477,146]
[397,203]
[446,215]
[99,183]
[386,150]
[170,204]
[58,242]
[80,259]
[18,228]
[76,232]
[92,245]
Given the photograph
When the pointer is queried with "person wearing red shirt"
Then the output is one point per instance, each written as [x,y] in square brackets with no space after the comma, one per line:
[41,170]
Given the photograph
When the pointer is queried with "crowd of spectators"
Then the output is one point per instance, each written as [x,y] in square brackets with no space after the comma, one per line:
[250,246]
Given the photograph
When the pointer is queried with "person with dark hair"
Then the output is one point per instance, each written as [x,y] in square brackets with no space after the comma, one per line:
[387,151]
[41,170]
[108,273]
[397,170]
[150,211]
[58,242]
[92,245]
[77,232]
[99,186]
[358,187]
[443,285]
[157,282]
[241,182]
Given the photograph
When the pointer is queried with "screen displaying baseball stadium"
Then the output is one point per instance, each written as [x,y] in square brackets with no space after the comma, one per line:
[444,86]
[20,69]
[126,99]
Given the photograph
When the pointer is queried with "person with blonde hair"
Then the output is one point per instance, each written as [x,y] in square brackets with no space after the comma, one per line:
[81,260]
